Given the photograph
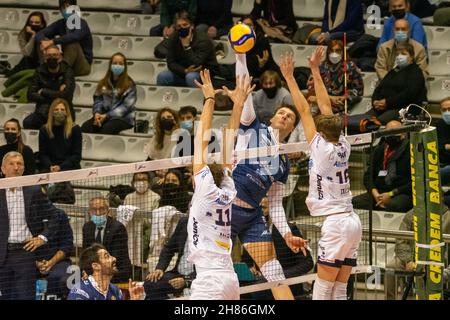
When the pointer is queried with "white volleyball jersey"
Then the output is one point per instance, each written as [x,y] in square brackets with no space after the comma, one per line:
[329,183]
[209,227]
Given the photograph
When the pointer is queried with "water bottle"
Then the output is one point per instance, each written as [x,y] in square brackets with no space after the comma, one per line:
[41,289]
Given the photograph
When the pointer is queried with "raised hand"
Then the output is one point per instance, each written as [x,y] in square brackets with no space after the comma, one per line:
[296,243]
[243,89]
[287,64]
[206,85]
[316,58]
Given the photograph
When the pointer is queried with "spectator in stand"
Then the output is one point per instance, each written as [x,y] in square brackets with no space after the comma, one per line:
[214,17]
[147,201]
[174,191]
[391,170]
[160,282]
[276,18]
[53,79]
[26,39]
[169,8]
[53,259]
[400,87]
[188,117]
[259,58]
[332,71]
[400,10]
[189,52]
[60,140]
[14,142]
[150,6]
[114,100]
[270,96]
[105,230]
[73,34]
[443,132]
[340,17]
[100,268]
[387,51]
[162,144]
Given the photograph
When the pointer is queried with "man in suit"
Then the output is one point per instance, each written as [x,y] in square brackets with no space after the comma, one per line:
[105,230]
[27,221]
[388,50]
[160,283]
[53,259]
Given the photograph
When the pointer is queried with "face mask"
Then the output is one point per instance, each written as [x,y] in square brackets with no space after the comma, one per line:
[10,137]
[36,28]
[59,117]
[446,117]
[188,124]
[66,14]
[393,141]
[335,57]
[270,92]
[184,32]
[52,63]
[99,221]
[117,69]
[401,36]
[401,60]
[399,14]
[141,186]
[167,124]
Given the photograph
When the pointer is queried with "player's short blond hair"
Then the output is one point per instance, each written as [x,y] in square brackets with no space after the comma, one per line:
[330,126]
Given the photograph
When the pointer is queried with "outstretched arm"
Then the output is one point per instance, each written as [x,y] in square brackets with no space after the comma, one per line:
[248,114]
[287,69]
[323,99]
[204,126]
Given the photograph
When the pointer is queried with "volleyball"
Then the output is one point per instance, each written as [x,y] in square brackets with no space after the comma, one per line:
[242,38]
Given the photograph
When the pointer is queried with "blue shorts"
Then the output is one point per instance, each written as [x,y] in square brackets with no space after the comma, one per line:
[249,225]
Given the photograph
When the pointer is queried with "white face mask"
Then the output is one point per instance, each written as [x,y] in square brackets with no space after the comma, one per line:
[335,57]
[141,186]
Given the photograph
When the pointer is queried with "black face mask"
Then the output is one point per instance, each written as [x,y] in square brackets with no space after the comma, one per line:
[184,32]
[52,63]
[270,92]
[10,137]
[167,124]
[393,141]
[36,28]
[399,14]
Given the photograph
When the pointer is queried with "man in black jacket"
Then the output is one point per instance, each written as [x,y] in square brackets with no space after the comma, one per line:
[391,188]
[160,283]
[73,34]
[109,232]
[189,52]
[27,222]
[53,79]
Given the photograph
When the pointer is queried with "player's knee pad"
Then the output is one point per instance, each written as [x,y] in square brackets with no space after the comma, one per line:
[322,289]
[272,271]
[339,291]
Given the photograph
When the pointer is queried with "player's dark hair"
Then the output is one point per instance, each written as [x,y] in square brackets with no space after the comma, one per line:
[187,109]
[330,126]
[89,256]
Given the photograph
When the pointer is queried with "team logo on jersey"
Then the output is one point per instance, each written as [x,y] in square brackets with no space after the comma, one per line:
[195,231]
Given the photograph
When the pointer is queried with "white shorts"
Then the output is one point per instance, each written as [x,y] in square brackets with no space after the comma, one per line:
[341,235]
[215,285]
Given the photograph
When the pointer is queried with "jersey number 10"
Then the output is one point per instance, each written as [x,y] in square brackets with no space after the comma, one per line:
[343,176]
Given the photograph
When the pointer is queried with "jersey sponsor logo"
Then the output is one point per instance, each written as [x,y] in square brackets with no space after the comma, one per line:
[223,200]
[319,187]
[339,164]
[342,155]
[255,180]
[195,231]
[204,173]
[223,244]
[81,293]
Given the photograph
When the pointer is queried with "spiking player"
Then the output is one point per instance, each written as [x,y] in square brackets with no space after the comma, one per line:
[209,226]
[260,177]
[329,185]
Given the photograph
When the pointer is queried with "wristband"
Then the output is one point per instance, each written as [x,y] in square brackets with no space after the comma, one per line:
[212,98]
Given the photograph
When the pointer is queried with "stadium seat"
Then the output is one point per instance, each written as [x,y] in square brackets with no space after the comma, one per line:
[309,9]
[383,253]
[145,72]
[438,88]
[31,138]
[370,83]
[439,64]
[12,19]
[18,111]
[153,98]
[8,41]
[82,115]
[241,7]
[113,148]
[388,220]
[136,48]
[119,5]
[30,3]
[98,70]
[361,107]
[373,32]
[301,53]
[438,37]
[84,93]
[12,58]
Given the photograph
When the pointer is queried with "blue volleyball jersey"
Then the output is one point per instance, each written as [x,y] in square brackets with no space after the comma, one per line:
[254,177]
[88,291]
